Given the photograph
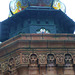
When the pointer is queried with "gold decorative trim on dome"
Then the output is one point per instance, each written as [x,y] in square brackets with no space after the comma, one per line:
[16,6]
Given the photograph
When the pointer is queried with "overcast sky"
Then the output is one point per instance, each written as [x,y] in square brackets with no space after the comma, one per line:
[4,9]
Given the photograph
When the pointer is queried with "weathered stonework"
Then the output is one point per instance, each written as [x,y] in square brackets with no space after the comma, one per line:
[60,59]
[38,54]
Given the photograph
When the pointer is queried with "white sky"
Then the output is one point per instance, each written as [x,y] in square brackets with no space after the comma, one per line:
[4,9]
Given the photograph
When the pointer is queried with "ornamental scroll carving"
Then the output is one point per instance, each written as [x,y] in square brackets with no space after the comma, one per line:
[42,59]
[25,59]
[3,67]
[17,60]
[11,64]
[60,59]
[6,66]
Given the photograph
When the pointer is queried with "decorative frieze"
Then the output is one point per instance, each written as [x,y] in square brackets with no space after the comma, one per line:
[3,67]
[50,60]
[33,60]
[25,59]
[36,62]
[17,60]
[42,59]
[68,60]
[60,59]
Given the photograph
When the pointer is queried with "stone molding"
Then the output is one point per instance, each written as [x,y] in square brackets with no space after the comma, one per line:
[23,60]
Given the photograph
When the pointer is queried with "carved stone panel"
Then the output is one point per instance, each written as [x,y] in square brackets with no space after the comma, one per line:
[68,60]
[3,67]
[50,60]
[60,60]
[33,59]
[17,60]
[42,59]
[6,66]
[11,64]
[25,59]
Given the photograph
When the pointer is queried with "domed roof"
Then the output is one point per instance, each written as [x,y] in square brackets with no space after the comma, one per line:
[16,6]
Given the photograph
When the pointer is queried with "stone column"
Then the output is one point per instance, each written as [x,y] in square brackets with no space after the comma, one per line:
[33,66]
[68,68]
[74,63]
[33,70]
[51,69]
[23,70]
[14,72]
[23,66]
[60,63]
[42,63]
[43,70]
[1,72]
[12,67]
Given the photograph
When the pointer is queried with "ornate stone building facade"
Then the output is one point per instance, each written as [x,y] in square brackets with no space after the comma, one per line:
[38,40]
[38,54]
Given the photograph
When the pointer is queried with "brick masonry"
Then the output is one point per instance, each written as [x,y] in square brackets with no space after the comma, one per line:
[38,54]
